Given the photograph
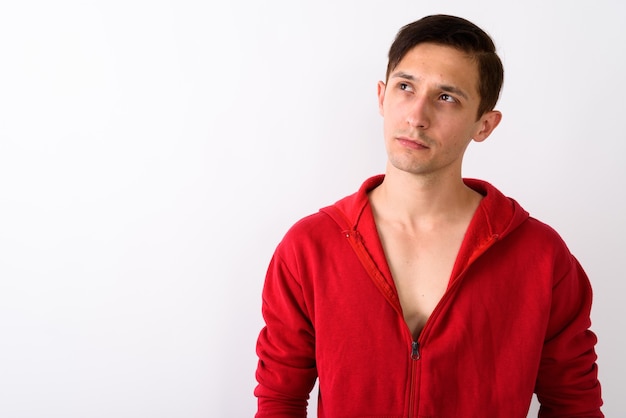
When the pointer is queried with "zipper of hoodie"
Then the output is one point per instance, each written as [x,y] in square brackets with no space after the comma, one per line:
[415,352]
[415,356]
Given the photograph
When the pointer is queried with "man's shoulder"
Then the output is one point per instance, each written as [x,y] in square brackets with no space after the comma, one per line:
[507,217]
[543,232]
[311,224]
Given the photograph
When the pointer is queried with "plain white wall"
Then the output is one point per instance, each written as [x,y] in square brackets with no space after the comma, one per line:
[153,153]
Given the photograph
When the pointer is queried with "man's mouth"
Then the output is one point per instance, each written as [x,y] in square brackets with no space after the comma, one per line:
[412,143]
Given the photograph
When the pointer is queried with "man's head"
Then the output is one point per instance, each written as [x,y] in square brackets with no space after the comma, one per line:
[460,34]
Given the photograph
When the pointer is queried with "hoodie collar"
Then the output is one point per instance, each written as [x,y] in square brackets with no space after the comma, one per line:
[496,215]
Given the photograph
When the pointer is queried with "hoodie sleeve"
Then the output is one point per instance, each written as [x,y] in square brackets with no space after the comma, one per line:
[567,383]
[286,370]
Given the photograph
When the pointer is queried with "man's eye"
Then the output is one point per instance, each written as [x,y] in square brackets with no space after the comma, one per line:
[447,98]
[404,86]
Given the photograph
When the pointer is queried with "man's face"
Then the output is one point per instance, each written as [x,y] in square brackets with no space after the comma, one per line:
[429,106]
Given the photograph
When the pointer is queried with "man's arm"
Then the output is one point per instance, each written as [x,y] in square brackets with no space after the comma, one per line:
[567,384]
[286,371]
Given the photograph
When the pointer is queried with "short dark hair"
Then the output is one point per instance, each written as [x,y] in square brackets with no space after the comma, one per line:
[461,34]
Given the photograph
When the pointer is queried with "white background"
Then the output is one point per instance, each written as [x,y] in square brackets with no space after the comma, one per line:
[153,153]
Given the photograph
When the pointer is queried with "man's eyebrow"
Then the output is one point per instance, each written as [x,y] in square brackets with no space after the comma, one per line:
[400,74]
[445,87]
[453,90]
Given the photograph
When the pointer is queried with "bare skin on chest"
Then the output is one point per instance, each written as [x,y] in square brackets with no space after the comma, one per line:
[421,246]
[421,259]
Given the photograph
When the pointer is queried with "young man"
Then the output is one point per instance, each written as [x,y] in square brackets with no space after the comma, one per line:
[425,294]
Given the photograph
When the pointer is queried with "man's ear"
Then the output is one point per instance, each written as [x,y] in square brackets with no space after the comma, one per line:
[381,96]
[486,124]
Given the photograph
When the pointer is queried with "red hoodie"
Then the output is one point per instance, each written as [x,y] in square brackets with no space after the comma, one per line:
[513,321]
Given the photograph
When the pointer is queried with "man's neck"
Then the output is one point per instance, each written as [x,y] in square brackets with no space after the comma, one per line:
[423,201]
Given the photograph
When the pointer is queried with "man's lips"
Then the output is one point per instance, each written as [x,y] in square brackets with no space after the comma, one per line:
[411,143]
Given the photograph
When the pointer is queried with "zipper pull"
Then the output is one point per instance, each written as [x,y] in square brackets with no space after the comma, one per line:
[415,353]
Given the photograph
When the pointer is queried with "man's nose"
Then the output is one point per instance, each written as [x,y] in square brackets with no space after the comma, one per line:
[419,113]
